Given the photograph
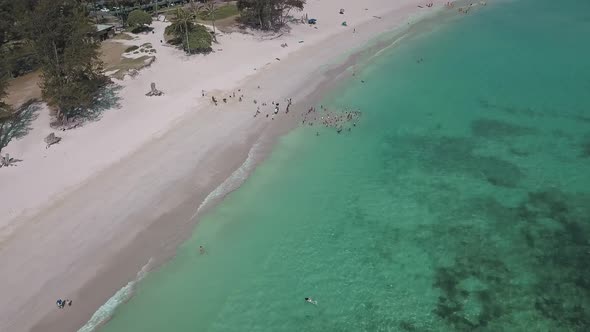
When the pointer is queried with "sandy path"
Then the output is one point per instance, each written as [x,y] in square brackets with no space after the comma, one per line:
[85,215]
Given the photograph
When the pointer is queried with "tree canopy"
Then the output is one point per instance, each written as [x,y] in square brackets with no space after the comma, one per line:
[195,38]
[199,40]
[7,20]
[267,15]
[4,108]
[16,53]
[72,78]
[138,19]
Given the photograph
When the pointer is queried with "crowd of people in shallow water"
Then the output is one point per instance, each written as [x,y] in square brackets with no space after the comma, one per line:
[339,120]
[336,119]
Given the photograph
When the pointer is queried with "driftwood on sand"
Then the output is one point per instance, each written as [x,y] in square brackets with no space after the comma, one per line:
[154,91]
[64,124]
[51,139]
[72,124]
[7,161]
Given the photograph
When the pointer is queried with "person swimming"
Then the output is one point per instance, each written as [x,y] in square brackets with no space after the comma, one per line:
[310,300]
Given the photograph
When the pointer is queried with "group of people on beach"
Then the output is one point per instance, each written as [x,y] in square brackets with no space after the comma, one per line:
[276,105]
[329,119]
[276,109]
[225,100]
[62,303]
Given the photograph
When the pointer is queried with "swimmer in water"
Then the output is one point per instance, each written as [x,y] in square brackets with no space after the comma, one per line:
[310,300]
[202,250]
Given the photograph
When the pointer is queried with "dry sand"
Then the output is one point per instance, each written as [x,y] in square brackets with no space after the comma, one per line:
[81,218]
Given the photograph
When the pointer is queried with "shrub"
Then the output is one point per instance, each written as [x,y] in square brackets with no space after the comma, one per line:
[131,48]
[18,57]
[137,19]
[220,13]
[199,40]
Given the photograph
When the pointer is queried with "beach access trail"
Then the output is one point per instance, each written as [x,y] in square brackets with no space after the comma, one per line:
[80,219]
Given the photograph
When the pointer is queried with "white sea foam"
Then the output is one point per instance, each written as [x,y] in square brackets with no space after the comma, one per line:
[233,181]
[105,312]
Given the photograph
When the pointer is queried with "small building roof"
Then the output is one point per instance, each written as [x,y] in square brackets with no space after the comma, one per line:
[103,27]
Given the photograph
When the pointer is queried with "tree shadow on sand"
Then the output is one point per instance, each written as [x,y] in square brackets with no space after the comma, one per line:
[18,123]
[107,99]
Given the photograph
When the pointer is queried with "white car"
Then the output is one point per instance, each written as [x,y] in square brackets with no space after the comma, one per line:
[105,10]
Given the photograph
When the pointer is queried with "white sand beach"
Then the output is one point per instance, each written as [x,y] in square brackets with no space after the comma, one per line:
[81,218]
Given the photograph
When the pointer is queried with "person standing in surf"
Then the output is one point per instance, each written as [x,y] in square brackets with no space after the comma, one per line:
[310,300]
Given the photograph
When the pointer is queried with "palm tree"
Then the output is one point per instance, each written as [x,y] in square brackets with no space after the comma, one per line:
[194,8]
[211,10]
[156,9]
[182,22]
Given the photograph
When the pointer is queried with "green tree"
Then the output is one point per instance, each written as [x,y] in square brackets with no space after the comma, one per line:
[72,80]
[267,14]
[16,54]
[199,40]
[7,20]
[5,109]
[195,8]
[194,38]
[211,10]
[12,14]
[182,25]
[138,19]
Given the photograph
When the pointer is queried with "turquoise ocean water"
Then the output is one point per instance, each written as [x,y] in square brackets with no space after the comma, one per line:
[460,201]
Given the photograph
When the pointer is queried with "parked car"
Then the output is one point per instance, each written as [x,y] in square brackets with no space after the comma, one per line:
[105,10]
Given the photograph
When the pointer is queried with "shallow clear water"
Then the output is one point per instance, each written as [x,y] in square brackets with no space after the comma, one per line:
[460,201]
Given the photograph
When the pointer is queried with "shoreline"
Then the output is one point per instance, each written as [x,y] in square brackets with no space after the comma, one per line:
[119,266]
[335,75]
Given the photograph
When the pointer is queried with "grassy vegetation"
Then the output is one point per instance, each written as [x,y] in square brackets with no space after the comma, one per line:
[127,65]
[18,57]
[123,36]
[221,12]
[199,40]
[131,48]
